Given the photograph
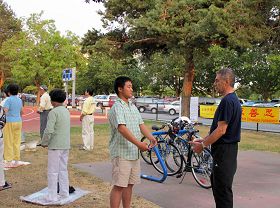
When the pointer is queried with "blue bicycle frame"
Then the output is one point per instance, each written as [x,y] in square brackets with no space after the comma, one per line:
[155,149]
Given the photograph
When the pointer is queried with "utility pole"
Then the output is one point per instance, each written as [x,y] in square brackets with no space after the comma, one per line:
[73,87]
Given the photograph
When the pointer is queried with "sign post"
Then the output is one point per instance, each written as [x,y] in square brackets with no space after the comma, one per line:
[73,87]
[69,74]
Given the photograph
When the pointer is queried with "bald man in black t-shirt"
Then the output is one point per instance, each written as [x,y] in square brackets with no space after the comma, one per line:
[223,138]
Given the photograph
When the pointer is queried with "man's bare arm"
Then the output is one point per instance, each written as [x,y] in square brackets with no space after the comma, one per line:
[130,137]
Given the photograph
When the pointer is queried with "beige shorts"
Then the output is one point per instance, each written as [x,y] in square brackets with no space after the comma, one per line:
[125,172]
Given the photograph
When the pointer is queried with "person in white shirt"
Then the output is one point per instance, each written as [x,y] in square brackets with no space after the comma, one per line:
[88,121]
[44,108]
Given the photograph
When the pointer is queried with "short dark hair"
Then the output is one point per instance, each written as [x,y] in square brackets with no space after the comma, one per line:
[120,82]
[13,89]
[227,73]
[89,91]
[58,95]
[6,91]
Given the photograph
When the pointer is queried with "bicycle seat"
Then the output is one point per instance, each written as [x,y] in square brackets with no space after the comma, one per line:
[155,128]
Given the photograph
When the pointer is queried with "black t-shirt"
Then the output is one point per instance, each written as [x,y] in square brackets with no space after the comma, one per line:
[229,110]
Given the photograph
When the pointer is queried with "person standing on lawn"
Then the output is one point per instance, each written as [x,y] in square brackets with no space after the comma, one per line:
[44,108]
[125,141]
[57,138]
[12,130]
[88,121]
[3,183]
[223,138]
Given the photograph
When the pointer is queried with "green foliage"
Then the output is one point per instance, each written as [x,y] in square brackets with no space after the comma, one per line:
[30,89]
[255,68]
[102,71]
[166,71]
[40,53]
[10,26]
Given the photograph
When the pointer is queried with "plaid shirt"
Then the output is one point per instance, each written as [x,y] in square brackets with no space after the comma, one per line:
[127,114]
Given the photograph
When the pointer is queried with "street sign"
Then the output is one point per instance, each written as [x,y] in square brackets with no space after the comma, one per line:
[67,75]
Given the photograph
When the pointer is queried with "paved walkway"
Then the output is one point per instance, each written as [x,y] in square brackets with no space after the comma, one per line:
[257,184]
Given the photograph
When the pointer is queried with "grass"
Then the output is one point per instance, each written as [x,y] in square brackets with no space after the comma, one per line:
[32,178]
[253,140]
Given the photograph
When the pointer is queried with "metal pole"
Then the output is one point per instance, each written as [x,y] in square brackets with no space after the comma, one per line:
[66,89]
[73,87]
[157,113]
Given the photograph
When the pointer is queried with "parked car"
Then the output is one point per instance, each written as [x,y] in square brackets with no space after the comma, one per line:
[251,103]
[242,101]
[248,103]
[69,101]
[143,102]
[172,108]
[99,100]
[157,106]
[30,98]
[105,100]
[275,100]
[265,105]
[209,101]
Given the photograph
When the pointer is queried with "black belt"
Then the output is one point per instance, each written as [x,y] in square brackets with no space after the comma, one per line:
[88,114]
[46,110]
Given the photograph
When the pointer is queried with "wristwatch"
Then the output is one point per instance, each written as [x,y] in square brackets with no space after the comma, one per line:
[203,145]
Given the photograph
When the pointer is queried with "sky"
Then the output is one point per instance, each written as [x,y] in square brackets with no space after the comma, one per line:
[73,15]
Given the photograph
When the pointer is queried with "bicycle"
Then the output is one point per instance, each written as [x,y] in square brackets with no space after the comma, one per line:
[179,157]
[159,136]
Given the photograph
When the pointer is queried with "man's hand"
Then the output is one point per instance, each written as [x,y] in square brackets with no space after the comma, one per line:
[81,117]
[153,142]
[143,146]
[197,146]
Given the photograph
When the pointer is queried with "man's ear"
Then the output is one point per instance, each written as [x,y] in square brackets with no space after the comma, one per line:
[120,89]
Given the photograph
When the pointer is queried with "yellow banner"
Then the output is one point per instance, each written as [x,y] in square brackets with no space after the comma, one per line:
[207,111]
[260,115]
[249,114]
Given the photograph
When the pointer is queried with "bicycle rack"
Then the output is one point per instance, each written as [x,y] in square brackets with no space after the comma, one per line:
[164,176]
[155,149]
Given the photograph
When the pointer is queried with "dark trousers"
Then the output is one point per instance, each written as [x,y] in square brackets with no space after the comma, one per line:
[224,168]
[43,121]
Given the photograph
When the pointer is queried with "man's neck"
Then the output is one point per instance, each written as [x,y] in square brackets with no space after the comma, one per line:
[123,98]
[228,91]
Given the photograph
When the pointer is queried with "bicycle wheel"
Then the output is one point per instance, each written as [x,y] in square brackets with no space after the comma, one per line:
[146,154]
[183,146]
[202,165]
[170,154]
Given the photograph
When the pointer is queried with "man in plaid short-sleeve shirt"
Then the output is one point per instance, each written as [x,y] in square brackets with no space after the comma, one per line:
[125,143]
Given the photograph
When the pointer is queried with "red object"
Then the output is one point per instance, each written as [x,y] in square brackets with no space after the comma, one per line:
[111,102]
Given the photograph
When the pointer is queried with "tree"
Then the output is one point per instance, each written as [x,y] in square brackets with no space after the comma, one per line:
[263,74]
[102,70]
[255,68]
[187,26]
[165,70]
[39,53]
[10,26]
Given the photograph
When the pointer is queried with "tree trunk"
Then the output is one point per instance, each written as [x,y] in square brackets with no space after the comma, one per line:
[187,85]
[2,79]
